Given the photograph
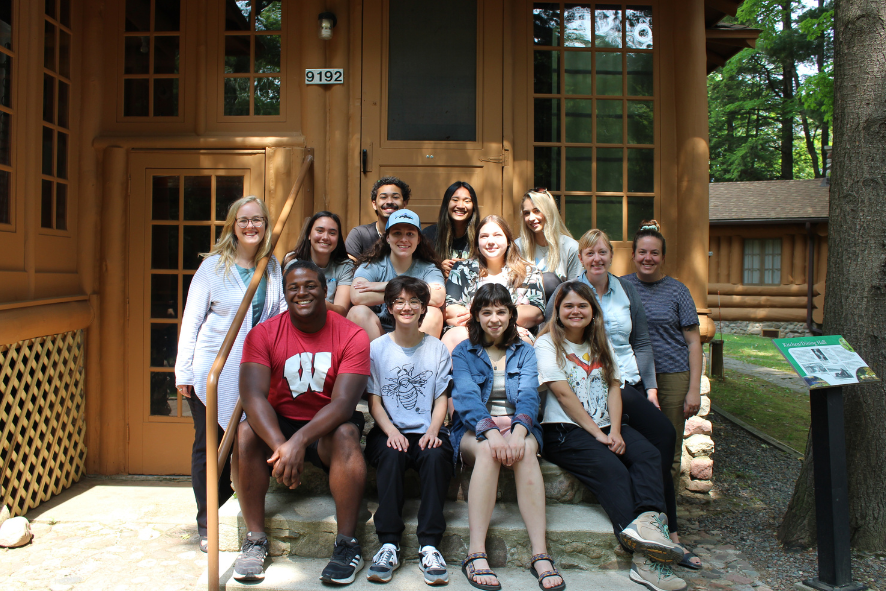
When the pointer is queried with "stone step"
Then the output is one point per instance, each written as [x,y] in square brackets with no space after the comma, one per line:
[302,574]
[579,536]
[561,487]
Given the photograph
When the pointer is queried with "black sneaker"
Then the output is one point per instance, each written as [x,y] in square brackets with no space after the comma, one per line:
[347,559]
[250,564]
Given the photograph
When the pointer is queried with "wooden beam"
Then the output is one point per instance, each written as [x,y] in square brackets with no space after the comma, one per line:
[729,7]
[715,58]
[762,314]
[757,301]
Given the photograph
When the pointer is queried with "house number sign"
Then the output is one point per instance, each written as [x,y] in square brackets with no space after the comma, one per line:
[324,76]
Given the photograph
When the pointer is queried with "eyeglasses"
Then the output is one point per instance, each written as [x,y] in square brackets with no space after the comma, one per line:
[400,303]
[256,222]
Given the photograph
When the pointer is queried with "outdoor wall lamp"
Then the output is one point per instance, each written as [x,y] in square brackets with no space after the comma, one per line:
[327,22]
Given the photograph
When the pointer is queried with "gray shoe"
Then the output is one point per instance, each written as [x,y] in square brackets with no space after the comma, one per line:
[384,563]
[655,575]
[648,534]
[433,566]
[250,563]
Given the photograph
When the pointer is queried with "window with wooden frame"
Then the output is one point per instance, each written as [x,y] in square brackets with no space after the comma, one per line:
[152,58]
[594,103]
[762,262]
[56,114]
[7,56]
[252,58]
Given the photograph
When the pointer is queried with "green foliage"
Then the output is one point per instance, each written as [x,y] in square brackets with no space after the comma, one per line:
[761,90]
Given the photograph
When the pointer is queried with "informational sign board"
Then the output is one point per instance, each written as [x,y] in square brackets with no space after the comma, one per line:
[324,76]
[825,361]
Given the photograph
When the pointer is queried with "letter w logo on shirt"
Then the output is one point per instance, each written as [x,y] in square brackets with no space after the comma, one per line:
[301,372]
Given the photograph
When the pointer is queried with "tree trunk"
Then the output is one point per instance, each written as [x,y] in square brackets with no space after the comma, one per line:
[856,301]
[787,103]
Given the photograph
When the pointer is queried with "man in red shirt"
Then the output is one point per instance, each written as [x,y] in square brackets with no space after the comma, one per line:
[301,376]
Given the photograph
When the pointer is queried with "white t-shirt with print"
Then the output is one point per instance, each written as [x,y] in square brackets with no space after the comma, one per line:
[584,377]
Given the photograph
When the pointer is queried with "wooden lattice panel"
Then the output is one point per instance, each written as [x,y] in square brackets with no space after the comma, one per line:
[42,442]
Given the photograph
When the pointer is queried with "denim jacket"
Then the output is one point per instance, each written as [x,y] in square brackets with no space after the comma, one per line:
[472,387]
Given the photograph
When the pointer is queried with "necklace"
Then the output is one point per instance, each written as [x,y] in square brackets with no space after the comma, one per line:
[498,363]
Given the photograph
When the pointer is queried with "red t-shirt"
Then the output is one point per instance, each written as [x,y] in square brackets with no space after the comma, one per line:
[304,365]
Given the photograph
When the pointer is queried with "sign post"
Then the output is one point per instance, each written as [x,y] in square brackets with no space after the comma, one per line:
[827,363]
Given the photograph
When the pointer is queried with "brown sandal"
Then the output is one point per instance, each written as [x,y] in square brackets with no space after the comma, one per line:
[548,573]
[482,572]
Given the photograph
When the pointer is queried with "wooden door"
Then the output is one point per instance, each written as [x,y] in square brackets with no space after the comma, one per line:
[432,100]
[177,209]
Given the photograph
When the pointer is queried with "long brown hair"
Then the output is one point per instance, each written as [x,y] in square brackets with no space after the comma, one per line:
[594,333]
[492,294]
[514,263]
[381,249]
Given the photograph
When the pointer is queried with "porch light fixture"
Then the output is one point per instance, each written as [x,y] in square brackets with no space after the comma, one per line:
[327,22]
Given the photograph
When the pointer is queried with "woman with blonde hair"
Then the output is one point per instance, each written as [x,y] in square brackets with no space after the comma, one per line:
[546,242]
[497,260]
[213,298]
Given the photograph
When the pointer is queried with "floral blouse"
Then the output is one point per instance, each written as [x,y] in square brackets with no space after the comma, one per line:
[464,281]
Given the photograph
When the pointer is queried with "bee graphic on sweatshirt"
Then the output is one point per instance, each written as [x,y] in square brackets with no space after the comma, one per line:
[405,387]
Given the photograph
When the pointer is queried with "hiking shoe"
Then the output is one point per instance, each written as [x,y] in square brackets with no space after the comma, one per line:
[384,563]
[655,575]
[347,559]
[250,563]
[648,534]
[433,566]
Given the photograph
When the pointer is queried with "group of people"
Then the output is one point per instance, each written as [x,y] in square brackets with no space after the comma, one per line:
[530,347]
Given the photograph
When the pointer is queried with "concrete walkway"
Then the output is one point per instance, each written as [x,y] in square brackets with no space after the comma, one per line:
[133,533]
[784,379]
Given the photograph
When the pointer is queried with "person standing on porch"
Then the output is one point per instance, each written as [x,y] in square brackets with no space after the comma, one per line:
[213,298]
[457,225]
[388,195]
[676,342]
[546,242]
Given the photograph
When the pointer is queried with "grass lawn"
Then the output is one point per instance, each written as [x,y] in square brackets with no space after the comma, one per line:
[778,412]
[753,349]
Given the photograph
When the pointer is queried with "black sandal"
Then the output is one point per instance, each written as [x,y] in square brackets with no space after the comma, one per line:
[482,572]
[548,573]
[688,555]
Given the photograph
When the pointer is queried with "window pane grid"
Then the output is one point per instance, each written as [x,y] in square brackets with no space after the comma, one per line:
[56,115]
[152,58]
[252,58]
[762,262]
[594,112]
[187,214]
[7,115]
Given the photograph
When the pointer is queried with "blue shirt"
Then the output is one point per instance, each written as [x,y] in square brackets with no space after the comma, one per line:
[617,316]
[258,301]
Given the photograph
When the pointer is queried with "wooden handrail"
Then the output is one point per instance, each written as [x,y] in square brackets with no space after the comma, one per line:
[214,468]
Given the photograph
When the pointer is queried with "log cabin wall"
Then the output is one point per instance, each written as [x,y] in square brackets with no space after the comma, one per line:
[733,298]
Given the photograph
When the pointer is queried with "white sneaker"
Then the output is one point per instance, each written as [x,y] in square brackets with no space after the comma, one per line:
[648,534]
[384,563]
[655,575]
[433,566]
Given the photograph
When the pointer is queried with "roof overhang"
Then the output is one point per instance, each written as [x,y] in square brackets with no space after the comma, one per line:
[724,41]
[769,221]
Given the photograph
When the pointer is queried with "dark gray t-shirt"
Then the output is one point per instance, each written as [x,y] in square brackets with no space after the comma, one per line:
[361,239]
[337,274]
[409,380]
[459,249]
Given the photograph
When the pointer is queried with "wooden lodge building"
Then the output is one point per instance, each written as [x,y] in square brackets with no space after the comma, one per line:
[768,251]
[128,126]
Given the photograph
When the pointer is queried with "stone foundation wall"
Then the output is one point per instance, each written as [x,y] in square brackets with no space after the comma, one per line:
[787,330]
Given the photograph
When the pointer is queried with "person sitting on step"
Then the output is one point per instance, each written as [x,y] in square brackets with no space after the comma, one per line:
[301,376]
[408,393]
[584,434]
[495,424]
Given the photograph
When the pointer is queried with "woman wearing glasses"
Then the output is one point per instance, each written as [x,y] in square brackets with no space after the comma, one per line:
[213,298]
[546,242]
[321,242]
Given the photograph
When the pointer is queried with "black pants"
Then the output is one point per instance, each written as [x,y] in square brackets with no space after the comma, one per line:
[434,466]
[550,282]
[658,430]
[625,485]
[198,464]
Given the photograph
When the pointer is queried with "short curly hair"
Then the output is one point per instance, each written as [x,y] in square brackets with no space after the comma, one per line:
[391,180]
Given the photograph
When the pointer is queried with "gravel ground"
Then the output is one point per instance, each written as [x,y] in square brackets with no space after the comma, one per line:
[754,483]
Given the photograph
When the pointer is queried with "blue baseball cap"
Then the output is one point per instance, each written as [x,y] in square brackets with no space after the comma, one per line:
[403,216]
